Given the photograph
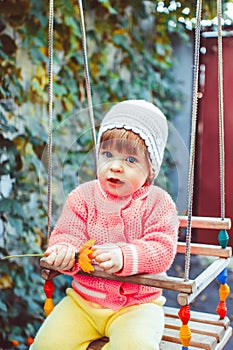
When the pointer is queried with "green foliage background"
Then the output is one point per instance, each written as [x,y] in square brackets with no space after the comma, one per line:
[130,56]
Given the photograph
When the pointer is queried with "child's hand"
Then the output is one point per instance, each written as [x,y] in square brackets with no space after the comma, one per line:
[109,256]
[60,257]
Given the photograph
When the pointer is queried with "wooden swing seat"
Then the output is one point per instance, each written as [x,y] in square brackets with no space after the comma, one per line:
[208,332]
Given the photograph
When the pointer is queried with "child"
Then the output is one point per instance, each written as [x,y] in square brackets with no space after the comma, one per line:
[135,226]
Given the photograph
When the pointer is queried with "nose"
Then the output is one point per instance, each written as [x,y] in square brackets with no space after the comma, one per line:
[116,165]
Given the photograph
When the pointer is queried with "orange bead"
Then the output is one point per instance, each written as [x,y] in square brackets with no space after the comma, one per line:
[185,335]
[224,291]
[48,306]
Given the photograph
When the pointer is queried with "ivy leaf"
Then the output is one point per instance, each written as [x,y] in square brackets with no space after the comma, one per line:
[120,40]
[107,5]
[17,224]
[3,306]
[70,21]
[37,56]
[5,205]
[18,209]
[59,89]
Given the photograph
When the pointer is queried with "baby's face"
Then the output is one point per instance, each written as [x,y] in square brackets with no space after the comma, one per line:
[120,173]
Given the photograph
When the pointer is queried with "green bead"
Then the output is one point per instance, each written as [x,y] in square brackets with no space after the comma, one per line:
[223,238]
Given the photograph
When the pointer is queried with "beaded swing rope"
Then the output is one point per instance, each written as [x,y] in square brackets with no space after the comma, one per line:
[48,285]
[50,114]
[224,290]
[188,289]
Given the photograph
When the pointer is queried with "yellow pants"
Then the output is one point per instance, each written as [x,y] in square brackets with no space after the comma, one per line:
[75,323]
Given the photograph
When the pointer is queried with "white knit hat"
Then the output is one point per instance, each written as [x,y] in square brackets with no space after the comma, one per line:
[144,119]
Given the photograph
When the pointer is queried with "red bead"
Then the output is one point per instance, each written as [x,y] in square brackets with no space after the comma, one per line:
[184,314]
[49,288]
[222,309]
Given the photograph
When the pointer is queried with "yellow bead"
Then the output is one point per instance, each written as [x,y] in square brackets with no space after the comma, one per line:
[185,335]
[224,291]
[48,306]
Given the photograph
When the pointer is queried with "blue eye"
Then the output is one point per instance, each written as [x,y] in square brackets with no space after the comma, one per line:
[108,154]
[131,160]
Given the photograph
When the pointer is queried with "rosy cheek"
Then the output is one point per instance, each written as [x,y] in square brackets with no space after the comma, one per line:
[101,169]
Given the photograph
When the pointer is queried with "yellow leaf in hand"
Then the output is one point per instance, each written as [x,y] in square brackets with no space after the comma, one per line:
[84,256]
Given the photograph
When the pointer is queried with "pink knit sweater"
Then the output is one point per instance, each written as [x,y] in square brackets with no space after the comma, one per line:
[144,225]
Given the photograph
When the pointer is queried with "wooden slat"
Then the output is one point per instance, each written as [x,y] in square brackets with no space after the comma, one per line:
[197,327]
[198,340]
[205,250]
[165,345]
[203,280]
[200,317]
[165,282]
[227,336]
[188,290]
[206,222]
[98,344]
[48,274]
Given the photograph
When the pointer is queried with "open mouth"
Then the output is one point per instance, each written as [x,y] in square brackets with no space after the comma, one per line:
[115,181]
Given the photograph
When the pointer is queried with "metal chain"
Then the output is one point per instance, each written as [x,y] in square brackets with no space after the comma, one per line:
[193,137]
[87,76]
[221,111]
[50,110]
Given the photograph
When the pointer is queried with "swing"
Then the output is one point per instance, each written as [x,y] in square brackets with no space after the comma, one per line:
[208,331]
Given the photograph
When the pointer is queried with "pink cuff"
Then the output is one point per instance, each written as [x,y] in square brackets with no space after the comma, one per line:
[130,260]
